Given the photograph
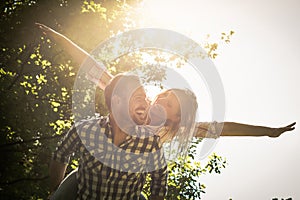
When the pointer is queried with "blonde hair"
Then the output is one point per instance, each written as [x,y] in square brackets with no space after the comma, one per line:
[181,131]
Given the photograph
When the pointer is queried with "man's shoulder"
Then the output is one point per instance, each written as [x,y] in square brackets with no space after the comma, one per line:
[96,120]
[92,129]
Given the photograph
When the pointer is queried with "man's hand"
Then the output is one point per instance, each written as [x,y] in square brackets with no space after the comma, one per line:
[48,31]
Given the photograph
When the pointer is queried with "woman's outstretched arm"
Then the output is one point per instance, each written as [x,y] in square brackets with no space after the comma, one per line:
[216,129]
[96,71]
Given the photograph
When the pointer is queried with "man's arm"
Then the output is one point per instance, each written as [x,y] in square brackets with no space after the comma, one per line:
[57,172]
[61,157]
[216,129]
[77,53]
[96,71]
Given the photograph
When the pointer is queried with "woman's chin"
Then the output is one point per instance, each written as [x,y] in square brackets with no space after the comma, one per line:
[157,116]
[157,121]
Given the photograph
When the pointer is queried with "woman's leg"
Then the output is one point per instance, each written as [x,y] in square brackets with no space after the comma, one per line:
[67,190]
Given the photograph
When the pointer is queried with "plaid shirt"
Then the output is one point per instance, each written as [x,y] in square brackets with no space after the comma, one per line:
[109,172]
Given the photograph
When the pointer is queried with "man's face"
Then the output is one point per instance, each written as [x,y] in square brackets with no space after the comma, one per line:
[138,105]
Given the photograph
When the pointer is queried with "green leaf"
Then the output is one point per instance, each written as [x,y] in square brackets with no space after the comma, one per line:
[32,56]
[55,104]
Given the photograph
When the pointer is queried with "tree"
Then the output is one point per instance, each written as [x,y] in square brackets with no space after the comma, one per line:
[184,174]
[36,80]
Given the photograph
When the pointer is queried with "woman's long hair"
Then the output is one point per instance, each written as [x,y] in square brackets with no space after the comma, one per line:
[177,136]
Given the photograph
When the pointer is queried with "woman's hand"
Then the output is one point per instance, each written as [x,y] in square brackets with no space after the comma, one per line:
[276,132]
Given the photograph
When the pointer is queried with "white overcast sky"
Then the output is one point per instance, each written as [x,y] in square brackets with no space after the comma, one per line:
[260,71]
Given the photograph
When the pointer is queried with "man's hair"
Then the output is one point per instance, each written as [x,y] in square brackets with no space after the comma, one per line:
[122,85]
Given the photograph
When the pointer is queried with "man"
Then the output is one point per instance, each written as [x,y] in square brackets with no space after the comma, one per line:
[114,159]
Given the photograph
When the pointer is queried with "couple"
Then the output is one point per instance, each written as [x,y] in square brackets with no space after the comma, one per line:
[118,151]
[165,133]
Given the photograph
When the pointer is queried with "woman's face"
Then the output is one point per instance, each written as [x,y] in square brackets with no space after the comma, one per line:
[168,102]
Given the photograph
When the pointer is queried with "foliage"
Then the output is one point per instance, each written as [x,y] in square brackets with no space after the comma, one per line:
[184,175]
[36,81]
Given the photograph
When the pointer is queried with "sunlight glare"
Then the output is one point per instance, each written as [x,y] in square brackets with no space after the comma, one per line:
[166,14]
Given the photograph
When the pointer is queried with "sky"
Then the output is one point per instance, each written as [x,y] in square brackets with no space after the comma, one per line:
[259,69]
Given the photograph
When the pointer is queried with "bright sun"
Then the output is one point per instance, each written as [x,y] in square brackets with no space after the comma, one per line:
[167,14]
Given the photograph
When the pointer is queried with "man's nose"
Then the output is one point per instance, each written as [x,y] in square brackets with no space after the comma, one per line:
[144,103]
[148,102]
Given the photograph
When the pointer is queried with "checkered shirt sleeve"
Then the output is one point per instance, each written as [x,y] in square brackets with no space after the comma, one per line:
[67,146]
